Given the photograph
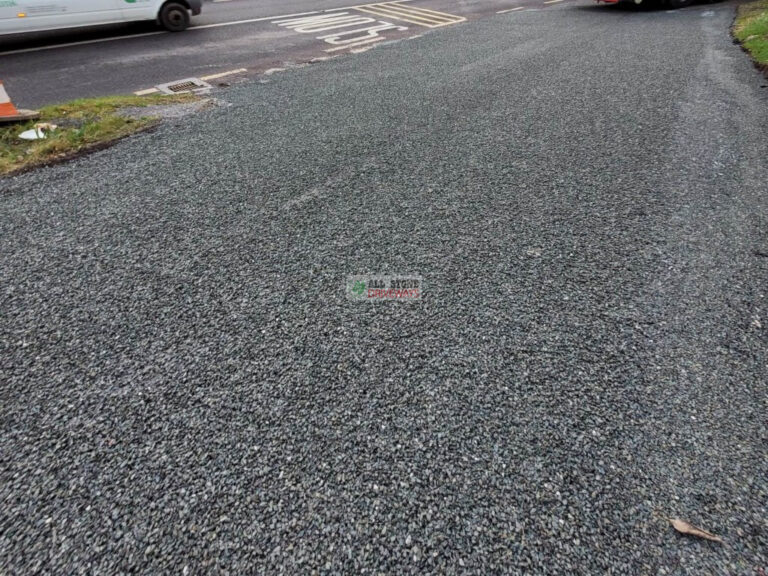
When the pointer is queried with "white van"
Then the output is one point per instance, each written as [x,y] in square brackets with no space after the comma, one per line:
[19,16]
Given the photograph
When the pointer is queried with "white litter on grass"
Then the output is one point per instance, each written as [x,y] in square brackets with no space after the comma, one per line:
[39,132]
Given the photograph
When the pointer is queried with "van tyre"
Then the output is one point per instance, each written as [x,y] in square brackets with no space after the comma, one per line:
[174,17]
[675,4]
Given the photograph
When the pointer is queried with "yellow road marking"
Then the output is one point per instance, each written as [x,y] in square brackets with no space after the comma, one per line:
[411,14]
[427,11]
[379,11]
[416,11]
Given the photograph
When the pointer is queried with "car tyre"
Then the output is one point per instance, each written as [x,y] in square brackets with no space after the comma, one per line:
[174,17]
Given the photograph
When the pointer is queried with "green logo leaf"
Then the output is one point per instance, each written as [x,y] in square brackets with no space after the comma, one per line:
[358,288]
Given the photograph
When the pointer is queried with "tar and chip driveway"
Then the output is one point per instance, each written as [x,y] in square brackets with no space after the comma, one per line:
[186,388]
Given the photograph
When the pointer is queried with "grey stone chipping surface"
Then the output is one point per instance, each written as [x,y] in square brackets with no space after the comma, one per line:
[185,389]
[171,111]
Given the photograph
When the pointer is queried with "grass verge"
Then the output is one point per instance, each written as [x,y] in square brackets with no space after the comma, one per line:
[83,125]
[751,30]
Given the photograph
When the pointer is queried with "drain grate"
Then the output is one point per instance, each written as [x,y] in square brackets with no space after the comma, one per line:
[186,85]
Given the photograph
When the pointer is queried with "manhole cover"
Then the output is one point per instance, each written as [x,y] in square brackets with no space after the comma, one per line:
[187,85]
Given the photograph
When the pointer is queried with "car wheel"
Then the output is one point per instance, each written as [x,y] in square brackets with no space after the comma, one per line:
[174,17]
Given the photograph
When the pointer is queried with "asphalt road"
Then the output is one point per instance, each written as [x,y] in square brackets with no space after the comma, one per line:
[237,35]
[185,388]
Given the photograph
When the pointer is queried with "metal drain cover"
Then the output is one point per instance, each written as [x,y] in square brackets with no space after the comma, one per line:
[194,85]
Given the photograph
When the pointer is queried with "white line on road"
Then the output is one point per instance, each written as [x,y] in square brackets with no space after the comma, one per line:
[203,78]
[130,36]
[250,21]
[511,10]
[362,42]
[81,43]
[370,32]
[222,74]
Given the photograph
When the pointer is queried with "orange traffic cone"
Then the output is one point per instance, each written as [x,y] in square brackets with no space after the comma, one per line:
[9,112]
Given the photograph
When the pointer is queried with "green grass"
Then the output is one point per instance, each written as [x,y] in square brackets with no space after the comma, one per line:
[751,29]
[82,125]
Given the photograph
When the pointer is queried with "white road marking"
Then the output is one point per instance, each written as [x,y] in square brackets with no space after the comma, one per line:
[370,33]
[324,22]
[249,21]
[553,1]
[192,29]
[143,35]
[511,10]
[222,74]
[361,43]
[81,43]
[203,78]
[365,30]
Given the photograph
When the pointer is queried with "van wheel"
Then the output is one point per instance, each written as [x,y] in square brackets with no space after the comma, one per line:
[675,4]
[174,17]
